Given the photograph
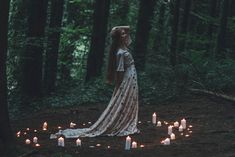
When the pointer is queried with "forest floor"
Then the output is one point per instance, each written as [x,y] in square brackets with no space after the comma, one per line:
[212,120]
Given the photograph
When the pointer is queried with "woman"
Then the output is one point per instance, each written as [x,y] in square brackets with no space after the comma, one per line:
[121,115]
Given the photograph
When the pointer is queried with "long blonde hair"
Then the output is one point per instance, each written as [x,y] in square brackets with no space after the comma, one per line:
[116,44]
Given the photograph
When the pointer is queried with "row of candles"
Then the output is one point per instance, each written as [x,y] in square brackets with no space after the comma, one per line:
[129,144]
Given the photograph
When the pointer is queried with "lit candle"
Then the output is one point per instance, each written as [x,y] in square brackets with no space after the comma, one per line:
[181,128]
[18,134]
[27,129]
[61,141]
[183,123]
[59,127]
[141,146]
[108,147]
[35,140]
[35,130]
[170,129]
[154,118]
[37,145]
[159,123]
[78,142]
[187,135]
[176,124]
[44,127]
[27,141]
[128,143]
[172,136]
[72,125]
[134,144]
[98,145]
[167,141]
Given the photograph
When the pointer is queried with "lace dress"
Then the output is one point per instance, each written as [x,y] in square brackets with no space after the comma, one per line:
[121,115]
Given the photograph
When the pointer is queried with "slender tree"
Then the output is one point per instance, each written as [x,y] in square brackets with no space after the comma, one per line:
[231,9]
[31,60]
[174,37]
[159,36]
[53,45]
[221,38]
[6,135]
[96,54]
[184,24]
[212,12]
[145,16]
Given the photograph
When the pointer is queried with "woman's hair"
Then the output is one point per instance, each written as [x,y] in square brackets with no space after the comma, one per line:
[116,44]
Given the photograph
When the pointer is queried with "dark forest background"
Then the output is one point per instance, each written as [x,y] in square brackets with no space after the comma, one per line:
[57,51]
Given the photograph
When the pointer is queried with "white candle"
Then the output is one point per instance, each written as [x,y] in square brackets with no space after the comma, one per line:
[159,123]
[154,118]
[170,129]
[44,127]
[134,144]
[61,141]
[183,123]
[167,141]
[27,141]
[128,143]
[181,128]
[78,142]
[172,136]
[35,140]
[176,124]
[72,125]
[18,134]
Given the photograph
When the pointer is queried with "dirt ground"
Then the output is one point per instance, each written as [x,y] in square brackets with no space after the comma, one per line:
[213,131]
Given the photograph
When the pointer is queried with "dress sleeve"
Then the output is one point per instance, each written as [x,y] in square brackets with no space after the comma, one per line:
[120,62]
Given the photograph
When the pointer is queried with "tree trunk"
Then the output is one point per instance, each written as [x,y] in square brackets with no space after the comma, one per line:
[174,37]
[213,6]
[6,135]
[231,9]
[53,45]
[96,54]
[32,58]
[221,38]
[184,24]
[160,33]
[145,15]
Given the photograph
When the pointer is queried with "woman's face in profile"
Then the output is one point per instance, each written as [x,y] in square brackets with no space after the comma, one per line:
[126,37]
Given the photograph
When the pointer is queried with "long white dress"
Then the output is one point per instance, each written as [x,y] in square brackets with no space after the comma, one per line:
[121,115]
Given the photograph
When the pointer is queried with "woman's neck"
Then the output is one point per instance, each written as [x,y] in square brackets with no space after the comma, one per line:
[123,47]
